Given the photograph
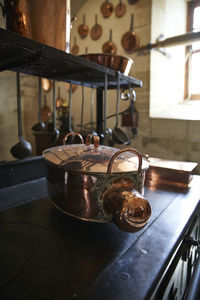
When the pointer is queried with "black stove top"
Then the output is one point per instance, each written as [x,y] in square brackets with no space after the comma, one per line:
[33,262]
[45,254]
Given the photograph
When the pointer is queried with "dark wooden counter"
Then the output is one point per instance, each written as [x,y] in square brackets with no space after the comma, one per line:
[95,261]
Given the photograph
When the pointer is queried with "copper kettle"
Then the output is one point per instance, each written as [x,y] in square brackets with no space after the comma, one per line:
[98,183]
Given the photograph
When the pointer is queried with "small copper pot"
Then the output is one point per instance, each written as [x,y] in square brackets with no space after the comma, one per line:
[97,183]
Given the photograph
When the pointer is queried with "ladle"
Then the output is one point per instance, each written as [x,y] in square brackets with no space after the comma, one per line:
[91,113]
[72,137]
[23,148]
[41,125]
[56,132]
[118,135]
[82,108]
[107,131]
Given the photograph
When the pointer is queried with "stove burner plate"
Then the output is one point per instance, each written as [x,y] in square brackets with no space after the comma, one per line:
[32,262]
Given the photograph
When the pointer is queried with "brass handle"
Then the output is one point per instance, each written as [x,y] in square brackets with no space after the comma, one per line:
[73,133]
[95,138]
[122,151]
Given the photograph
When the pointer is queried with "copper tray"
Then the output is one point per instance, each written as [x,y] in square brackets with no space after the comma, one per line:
[115,62]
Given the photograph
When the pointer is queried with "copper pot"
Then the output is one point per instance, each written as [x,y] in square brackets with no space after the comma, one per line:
[97,183]
[115,62]
[45,21]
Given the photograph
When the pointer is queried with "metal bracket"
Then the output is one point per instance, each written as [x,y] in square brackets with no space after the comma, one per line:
[162,50]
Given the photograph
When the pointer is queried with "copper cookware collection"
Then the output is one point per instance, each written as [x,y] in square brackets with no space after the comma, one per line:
[129,40]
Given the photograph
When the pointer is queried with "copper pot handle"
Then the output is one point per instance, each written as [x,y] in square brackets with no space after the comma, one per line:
[95,139]
[122,151]
[73,133]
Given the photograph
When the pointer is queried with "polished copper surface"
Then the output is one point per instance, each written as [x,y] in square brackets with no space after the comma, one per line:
[130,40]
[134,151]
[96,30]
[83,29]
[98,183]
[84,158]
[115,62]
[129,209]
[106,9]
[44,21]
[109,46]
[120,9]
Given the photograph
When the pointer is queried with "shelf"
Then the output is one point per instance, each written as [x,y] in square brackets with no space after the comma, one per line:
[27,56]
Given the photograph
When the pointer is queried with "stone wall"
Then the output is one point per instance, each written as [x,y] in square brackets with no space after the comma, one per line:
[166,138]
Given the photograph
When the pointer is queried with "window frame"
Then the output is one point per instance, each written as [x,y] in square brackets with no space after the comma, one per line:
[191,5]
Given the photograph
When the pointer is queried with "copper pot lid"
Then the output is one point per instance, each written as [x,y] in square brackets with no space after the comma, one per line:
[95,158]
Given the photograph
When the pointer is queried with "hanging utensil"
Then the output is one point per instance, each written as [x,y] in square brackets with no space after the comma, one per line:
[75,48]
[59,99]
[46,84]
[23,148]
[41,125]
[56,132]
[83,29]
[72,137]
[107,132]
[45,111]
[96,30]
[93,132]
[130,40]
[118,135]
[82,108]
[109,46]
[106,9]
[74,87]
[120,9]
[134,113]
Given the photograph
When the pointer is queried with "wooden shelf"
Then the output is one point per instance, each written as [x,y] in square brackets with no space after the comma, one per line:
[27,56]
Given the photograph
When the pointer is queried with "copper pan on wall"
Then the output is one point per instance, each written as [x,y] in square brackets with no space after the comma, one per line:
[130,40]
[45,21]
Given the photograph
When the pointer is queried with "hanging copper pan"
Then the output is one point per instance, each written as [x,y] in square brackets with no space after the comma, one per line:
[96,30]
[109,46]
[83,29]
[130,40]
[120,9]
[75,48]
[107,9]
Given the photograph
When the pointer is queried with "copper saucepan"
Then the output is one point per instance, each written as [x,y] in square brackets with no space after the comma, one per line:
[130,40]
[83,29]
[109,46]
[120,9]
[98,183]
[107,9]
[96,30]
[75,48]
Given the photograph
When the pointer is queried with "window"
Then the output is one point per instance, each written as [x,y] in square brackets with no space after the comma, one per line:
[192,78]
